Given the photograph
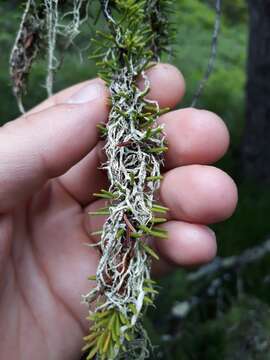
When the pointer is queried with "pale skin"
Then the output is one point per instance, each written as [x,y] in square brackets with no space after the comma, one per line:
[48,172]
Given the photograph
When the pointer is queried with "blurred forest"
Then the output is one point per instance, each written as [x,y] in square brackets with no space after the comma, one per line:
[222,311]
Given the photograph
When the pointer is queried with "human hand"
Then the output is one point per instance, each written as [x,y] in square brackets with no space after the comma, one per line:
[48,173]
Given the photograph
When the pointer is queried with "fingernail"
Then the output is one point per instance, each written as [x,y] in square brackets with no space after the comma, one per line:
[212,233]
[88,93]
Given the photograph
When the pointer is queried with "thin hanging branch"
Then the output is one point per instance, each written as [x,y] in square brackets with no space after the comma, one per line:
[52,18]
[213,54]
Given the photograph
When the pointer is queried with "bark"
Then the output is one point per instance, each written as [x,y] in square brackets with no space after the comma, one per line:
[256,143]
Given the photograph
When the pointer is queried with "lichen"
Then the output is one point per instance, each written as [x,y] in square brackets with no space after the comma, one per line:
[43,22]
[26,48]
[137,33]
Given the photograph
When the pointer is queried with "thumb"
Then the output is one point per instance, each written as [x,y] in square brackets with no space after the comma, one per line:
[43,145]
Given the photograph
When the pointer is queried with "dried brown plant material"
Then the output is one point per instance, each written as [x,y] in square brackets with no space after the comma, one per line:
[25,50]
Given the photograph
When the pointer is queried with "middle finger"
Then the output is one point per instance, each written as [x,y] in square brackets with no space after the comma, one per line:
[198,193]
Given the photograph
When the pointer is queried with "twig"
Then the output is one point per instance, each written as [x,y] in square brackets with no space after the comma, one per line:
[249,256]
[213,54]
[217,272]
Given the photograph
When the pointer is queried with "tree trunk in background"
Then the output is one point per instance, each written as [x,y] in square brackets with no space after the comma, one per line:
[256,144]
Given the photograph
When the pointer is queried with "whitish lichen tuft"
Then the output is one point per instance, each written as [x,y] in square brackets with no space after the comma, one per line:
[43,22]
[137,33]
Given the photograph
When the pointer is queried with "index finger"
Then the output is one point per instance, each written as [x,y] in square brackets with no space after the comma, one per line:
[168,88]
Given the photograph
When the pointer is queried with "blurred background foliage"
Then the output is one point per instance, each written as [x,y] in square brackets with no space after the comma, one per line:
[233,319]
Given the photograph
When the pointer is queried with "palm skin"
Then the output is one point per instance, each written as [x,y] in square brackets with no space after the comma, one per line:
[45,194]
[45,270]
